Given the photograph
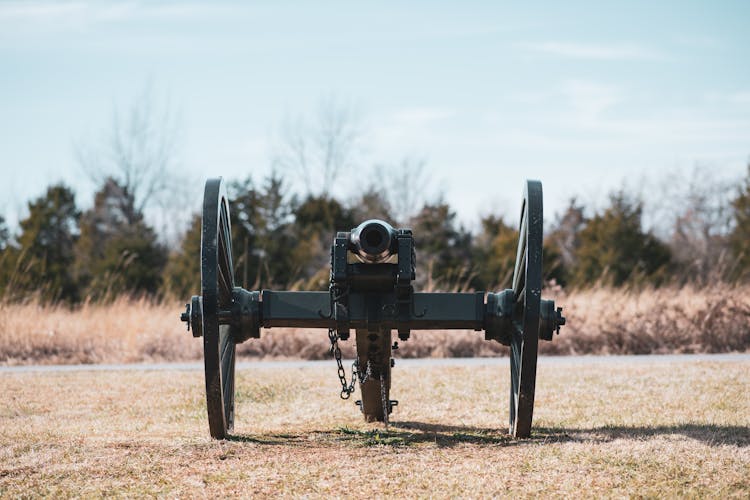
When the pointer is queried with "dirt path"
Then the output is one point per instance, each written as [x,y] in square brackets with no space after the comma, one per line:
[423,362]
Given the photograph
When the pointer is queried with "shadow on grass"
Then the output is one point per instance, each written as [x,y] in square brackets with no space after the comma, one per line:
[446,436]
[710,434]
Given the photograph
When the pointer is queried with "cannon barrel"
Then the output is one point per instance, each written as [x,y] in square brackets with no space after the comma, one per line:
[373,241]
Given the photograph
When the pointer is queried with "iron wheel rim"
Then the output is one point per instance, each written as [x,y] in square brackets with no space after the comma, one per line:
[217,282]
[527,287]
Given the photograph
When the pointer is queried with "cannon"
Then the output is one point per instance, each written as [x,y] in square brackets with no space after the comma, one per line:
[371,292]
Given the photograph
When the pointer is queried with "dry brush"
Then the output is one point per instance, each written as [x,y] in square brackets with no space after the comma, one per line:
[600,321]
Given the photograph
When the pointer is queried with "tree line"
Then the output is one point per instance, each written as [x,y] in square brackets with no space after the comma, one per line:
[282,240]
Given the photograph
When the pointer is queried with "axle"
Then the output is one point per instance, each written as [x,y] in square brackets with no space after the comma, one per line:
[492,312]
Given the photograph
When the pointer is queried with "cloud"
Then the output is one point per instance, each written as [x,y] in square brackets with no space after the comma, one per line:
[84,13]
[740,97]
[580,101]
[700,42]
[37,10]
[604,52]
[590,99]
[418,117]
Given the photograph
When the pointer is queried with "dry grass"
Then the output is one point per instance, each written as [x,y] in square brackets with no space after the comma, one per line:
[600,321]
[666,430]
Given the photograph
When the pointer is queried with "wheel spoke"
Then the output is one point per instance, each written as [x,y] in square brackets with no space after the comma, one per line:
[226,250]
[515,360]
[229,395]
[227,365]
[225,296]
[226,281]
[225,341]
[519,275]
[521,295]
[521,250]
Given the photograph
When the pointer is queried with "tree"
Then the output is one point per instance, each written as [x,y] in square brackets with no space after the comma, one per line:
[117,251]
[614,248]
[140,154]
[494,255]
[7,257]
[404,186]
[4,234]
[565,234]
[318,151]
[182,274]
[494,252]
[562,242]
[371,203]
[443,249]
[263,233]
[693,215]
[317,219]
[42,262]
[739,238]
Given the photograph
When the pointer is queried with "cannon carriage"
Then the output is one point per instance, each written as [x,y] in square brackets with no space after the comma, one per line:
[371,293]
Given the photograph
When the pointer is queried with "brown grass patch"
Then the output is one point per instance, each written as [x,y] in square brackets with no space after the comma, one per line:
[666,430]
[601,321]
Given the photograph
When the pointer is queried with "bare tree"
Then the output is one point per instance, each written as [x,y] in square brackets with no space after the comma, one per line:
[694,216]
[405,185]
[318,151]
[139,152]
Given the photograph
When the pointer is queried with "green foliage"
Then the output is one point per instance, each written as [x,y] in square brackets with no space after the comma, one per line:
[182,274]
[318,218]
[494,256]
[281,242]
[562,242]
[4,234]
[7,259]
[371,204]
[263,232]
[739,238]
[443,248]
[324,214]
[117,251]
[41,264]
[494,253]
[614,249]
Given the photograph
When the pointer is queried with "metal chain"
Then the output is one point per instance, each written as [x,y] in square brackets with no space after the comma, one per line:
[347,388]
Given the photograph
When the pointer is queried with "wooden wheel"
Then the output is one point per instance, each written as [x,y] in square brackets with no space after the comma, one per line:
[527,287]
[217,282]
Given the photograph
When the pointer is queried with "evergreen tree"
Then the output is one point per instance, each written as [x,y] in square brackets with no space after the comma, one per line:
[739,238]
[372,204]
[6,257]
[562,242]
[117,251]
[264,235]
[42,263]
[317,219]
[565,234]
[4,234]
[443,249]
[614,248]
[495,253]
[182,274]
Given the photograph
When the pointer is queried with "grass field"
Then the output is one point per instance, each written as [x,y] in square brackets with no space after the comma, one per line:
[600,321]
[669,429]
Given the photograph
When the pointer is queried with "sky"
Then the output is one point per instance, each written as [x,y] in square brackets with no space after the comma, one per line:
[585,96]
